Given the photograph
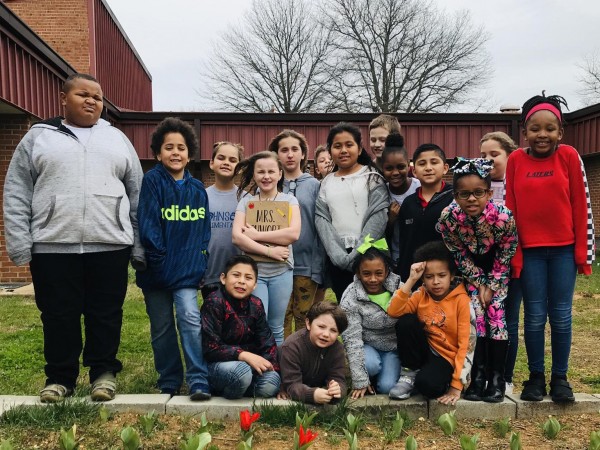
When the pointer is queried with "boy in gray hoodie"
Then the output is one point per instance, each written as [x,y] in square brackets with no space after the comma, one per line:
[70,211]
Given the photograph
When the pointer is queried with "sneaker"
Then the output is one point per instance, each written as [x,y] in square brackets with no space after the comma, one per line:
[509,387]
[560,390]
[534,389]
[53,393]
[405,385]
[104,387]
[199,392]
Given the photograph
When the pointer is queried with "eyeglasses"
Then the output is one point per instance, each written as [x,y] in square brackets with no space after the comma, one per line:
[477,193]
[292,187]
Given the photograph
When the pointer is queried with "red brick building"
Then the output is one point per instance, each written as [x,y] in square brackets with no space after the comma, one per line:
[37,53]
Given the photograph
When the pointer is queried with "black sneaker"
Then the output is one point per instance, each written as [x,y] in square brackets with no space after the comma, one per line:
[169,391]
[534,389]
[560,390]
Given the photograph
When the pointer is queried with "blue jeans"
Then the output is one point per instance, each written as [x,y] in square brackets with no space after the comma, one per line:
[167,359]
[384,364]
[548,282]
[512,306]
[275,292]
[234,379]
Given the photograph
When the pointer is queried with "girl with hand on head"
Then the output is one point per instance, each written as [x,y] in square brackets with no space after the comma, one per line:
[323,162]
[546,189]
[263,174]
[353,203]
[370,339]
[483,239]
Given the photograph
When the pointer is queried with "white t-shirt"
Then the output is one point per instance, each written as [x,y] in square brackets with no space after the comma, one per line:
[498,195]
[83,134]
[348,200]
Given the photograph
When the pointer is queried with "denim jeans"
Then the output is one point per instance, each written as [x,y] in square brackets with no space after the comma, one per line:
[548,282]
[512,306]
[235,379]
[386,365]
[275,292]
[167,359]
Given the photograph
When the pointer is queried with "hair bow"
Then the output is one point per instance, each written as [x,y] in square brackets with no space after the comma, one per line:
[475,166]
[369,242]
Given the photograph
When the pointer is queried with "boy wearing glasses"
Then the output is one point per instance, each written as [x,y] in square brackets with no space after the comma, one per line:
[292,150]
[482,237]
[420,211]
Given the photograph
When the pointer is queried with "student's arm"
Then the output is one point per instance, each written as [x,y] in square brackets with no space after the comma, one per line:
[264,338]
[18,197]
[328,234]
[580,211]
[291,374]
[285,236]
[402,301]
[354,345]
[213,346]
[337,372]
[506,241]
[511,203]
[150,228]
[246,244]
[463,317]
[133,181]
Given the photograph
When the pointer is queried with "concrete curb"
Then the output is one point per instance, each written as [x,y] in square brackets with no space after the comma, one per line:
[218,408]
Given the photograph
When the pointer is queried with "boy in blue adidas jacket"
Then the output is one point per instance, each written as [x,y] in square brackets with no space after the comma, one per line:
[174,224]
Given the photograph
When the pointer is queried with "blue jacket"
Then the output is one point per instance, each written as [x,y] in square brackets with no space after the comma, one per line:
[174,224]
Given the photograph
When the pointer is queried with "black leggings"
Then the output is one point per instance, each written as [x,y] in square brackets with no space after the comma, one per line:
[435,373]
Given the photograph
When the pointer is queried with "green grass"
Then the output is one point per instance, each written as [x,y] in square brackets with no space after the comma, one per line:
[52,416]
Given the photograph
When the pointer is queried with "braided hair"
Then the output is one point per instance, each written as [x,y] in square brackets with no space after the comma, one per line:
[554,100]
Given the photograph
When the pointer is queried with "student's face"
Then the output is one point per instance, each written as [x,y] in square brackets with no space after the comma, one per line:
[493,151]
[267,174]
[395,170]
[239,281]
[174,154]
[543,132]
[323,331]
[324,163]
[372,273]
[224,162]
[472,184]
[83,103]
[430,168]
[377,138]
[344,152]
[437,279]
[290,154]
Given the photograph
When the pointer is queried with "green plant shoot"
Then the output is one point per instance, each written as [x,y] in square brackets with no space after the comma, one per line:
[130,438]
[551,428]
[148,422]
[67,439]
[305,421]
[515,441]
[594,440]
[196,442]
[469,442]
[104,414]
[502,427]
[447,423]
[6,445]
[352,439]
[411,443]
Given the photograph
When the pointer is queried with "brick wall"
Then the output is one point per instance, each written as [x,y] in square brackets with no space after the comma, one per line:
[63,24]
[592,168]
[12,129]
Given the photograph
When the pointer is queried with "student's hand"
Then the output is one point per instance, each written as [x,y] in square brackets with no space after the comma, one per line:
[359,393]
[257,362]
[450,397]
[251,232]
[393,212]
[328,168]
[279,253]
[321,396]
[283,396]
[485,296]
[416,270]
[334,389]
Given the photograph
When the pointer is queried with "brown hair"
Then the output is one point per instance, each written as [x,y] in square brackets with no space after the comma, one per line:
[505,141]
[320,149]
[386,121]
[274,145]
[324,307]
[245,169]
[218,145]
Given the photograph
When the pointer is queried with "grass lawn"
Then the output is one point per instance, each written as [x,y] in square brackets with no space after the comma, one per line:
[22,362]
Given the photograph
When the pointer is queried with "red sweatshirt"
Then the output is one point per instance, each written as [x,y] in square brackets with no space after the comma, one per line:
[548,199]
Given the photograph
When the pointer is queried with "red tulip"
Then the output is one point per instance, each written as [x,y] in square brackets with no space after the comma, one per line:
[306,438]
[247,419]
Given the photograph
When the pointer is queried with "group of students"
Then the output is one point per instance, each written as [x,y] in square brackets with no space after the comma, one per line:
[428,275]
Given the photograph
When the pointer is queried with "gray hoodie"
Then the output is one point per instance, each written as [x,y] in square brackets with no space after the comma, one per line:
[61,196]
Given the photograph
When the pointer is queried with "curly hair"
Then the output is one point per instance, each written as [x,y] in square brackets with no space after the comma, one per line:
[371,254]
[394,143]
[435,251]
[554,100]
[174,125]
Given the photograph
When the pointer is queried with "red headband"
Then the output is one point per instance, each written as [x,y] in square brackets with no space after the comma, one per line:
[544,106]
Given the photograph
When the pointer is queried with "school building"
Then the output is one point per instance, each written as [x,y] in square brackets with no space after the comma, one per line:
[42,42]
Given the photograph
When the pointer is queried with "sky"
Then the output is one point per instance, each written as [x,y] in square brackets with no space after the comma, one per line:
[533,44]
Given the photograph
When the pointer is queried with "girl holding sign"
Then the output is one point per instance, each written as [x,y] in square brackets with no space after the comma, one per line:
[262,175]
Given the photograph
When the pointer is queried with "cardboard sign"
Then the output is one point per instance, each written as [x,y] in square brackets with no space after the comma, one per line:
[267,216]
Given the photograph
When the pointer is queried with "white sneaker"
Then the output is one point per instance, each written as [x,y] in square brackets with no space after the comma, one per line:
[404,386]
[509,388]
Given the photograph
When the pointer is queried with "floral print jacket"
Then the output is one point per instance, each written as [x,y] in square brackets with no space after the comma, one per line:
[468,237]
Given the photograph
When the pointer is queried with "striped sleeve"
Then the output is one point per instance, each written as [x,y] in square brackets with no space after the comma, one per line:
[591,242]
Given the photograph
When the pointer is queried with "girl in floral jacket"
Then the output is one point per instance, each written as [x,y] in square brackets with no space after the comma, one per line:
[482,237]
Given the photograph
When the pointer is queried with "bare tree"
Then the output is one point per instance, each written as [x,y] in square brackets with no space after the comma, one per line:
[590,78]
[403,55]
[274,62]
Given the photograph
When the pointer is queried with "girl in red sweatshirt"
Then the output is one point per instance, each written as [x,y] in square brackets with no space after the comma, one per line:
[546,189]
